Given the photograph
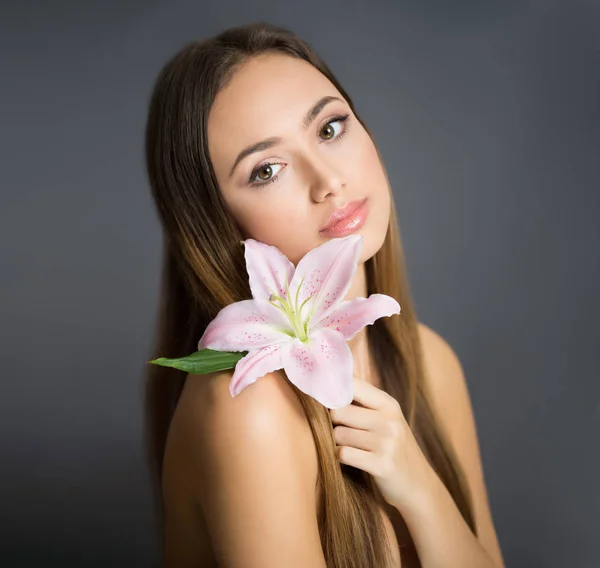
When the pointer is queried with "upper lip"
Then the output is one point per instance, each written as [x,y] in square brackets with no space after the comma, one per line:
[342,213]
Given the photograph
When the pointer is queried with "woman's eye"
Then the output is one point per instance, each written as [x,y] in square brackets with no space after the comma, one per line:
[268,168]
[329,128]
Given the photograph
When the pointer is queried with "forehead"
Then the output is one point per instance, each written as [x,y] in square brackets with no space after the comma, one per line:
[267,96]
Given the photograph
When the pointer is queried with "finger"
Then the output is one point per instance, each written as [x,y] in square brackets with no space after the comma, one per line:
[361,439]
[355,417]
[369,395]
[357,458]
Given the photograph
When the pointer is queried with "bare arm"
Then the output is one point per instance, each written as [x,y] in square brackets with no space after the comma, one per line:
[257,468]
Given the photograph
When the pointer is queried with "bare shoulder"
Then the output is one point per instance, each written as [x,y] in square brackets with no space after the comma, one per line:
[445,382]
[265,410]
[450,397]
[445,377]
[437,352]
[255,464]
[269,399]
[447,386]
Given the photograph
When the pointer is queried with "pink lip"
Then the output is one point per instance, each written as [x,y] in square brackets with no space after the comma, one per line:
[347,220]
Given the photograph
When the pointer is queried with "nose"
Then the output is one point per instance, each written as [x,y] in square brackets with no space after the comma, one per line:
[327,180]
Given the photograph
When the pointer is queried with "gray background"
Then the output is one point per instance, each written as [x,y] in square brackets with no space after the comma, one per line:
[487,117]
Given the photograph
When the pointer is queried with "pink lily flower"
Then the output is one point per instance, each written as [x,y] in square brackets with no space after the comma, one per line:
[298,319]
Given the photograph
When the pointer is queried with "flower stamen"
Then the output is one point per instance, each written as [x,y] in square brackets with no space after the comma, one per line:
[291,310]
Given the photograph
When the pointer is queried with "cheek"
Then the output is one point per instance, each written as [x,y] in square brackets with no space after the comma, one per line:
[376,180]
[371,165]
[279,224]
[366,172]
[372,176]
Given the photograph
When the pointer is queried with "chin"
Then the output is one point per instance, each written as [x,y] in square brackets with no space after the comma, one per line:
[372,242]
[374,232]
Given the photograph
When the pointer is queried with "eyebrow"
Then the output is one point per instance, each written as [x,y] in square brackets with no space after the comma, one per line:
[267,143]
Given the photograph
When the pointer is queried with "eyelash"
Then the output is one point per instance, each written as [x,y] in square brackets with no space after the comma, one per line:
[339,118]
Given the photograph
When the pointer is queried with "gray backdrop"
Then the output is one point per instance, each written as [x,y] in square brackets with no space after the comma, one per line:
[487,117]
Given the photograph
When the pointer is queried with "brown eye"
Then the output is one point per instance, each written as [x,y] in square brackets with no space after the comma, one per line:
[329,130]
[269,171]
[264,174]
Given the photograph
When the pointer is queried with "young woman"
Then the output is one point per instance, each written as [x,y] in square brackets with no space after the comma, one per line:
[249,135]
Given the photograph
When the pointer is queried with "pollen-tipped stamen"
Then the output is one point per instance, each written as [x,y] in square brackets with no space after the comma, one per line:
[291,310]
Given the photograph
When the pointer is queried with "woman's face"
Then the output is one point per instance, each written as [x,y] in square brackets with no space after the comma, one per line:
[312,172]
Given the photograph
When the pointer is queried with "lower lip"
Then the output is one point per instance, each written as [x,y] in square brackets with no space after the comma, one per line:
[350,224]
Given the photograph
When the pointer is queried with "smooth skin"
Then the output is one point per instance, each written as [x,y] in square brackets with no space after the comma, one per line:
[248,463]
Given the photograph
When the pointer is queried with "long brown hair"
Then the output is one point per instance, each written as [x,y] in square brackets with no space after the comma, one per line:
[204,270]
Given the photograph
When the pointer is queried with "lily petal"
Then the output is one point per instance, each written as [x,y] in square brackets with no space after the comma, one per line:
[245,326]
[321,368]
[351,316]
[269,270]
[327,271]
[254,366]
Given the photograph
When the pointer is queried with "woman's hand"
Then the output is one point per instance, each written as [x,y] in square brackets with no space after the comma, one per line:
[377,439]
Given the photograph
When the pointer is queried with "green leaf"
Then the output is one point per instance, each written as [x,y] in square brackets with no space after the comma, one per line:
[203,361]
